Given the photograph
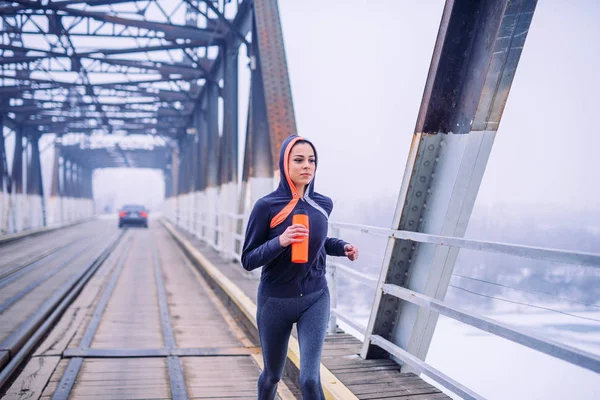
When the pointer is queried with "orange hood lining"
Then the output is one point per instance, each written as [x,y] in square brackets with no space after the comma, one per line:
[287,210]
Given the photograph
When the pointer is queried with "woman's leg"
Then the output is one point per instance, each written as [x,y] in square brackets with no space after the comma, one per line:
[275,317]
[312,328]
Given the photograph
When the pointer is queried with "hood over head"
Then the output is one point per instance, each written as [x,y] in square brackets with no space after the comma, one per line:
[285,182]
[286,186]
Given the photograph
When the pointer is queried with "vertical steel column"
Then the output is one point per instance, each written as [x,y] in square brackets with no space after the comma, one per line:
[182,165]
[212,133]
[3,169]
[175,182]
[4,181]
[75,179]
[270,112]
[189,167]
[30,175]
[55,186]
[87,176]
[230,109]
[263,159]
[212,159]
[175,171]
[66,174]
[89,185]
[475,58]
[201,146]
[36,171]
[274,72]
[193,144]
[202,165]
[187,199]
[17,180]
[168,177]
[17,168]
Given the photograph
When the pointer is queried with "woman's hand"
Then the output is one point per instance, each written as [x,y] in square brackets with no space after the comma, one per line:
[351,252]
[293,234]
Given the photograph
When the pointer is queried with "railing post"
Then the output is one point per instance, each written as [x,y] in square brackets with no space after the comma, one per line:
[332,277]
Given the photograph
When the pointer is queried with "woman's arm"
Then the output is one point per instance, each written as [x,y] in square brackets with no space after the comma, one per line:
[339,248]
[258,249]
[335,247]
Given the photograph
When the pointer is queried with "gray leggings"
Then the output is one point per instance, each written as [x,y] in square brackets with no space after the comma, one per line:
[275,318]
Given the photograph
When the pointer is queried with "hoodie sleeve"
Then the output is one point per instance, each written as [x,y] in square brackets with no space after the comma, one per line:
[335,247]
[258,249]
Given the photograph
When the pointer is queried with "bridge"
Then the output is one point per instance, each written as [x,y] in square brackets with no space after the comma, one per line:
[88,310]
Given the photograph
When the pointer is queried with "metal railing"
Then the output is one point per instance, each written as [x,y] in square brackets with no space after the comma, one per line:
[521,336]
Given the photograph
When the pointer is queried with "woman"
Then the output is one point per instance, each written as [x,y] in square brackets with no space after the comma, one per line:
[289,292]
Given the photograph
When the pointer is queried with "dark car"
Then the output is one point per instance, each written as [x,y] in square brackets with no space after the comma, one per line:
[132,214]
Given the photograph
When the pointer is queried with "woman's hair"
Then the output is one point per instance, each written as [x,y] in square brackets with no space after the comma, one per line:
[302,141]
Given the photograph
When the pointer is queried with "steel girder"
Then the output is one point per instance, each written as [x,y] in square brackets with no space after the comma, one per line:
[160,38]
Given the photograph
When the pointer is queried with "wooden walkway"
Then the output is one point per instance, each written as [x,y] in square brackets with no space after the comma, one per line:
[151,325]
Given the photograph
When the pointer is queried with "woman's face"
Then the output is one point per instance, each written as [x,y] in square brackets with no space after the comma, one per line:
[302,164]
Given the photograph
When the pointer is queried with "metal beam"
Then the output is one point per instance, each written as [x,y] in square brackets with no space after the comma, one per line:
[212,134]
[260,151]
[162,67]
[3,163]
[93,3]
[171,31]
[230,111]
[164,47]
[17,167]
[275,77]
[202,147]
[55,185]
[475,58]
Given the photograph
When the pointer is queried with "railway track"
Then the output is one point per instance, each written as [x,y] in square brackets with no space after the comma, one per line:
[17,346]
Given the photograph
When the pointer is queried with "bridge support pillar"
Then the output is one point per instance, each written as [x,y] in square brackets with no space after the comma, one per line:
[5,187]
[17,180]
[475,58]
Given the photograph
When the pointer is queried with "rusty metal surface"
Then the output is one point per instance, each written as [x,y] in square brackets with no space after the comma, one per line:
[277,90]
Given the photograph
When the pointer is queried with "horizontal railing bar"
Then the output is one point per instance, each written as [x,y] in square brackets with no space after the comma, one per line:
[374,230]
[355,325]
[421,367]
[538,253]
[564,352]
[360,277]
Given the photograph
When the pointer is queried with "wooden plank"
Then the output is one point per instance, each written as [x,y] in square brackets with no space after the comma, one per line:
[428,396]
[370,392]
[30,383]
[123,378]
